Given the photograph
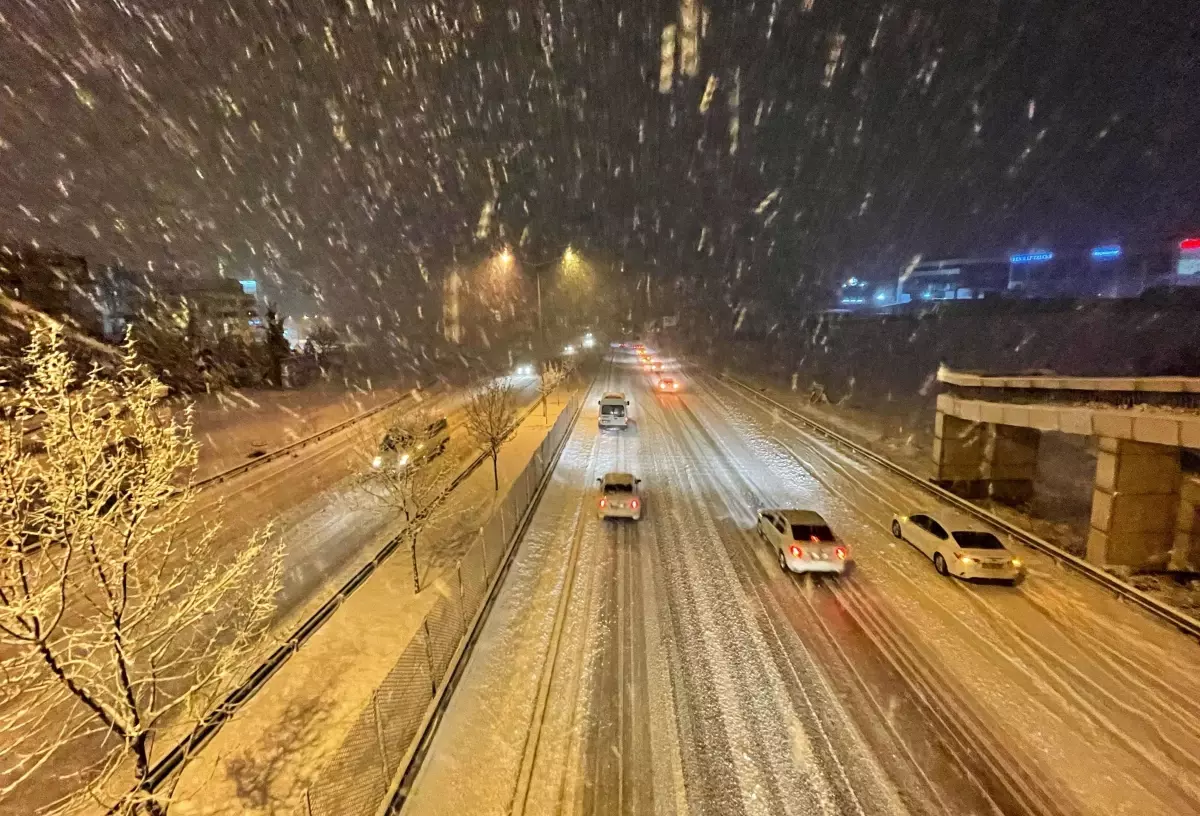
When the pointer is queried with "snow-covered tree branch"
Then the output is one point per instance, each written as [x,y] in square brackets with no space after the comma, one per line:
[490,414]
[118,616]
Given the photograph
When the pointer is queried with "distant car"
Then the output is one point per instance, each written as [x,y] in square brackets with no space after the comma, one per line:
[802,541]
[959,547]
[620,496]
[668,385]
[523,370]
[401,448]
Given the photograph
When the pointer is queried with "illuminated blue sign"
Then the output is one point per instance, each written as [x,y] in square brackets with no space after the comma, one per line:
[1036,256]
[1106,253]
[250,287]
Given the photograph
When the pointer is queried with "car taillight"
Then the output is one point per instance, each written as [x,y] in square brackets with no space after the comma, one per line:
[797,552]
[604,502]
[675,386]
[841,553]
[633,504]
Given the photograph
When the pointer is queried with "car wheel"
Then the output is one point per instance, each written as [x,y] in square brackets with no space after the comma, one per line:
[939,564]
[783,561]
[896,531]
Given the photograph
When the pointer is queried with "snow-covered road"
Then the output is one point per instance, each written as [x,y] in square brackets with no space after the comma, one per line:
[670,667]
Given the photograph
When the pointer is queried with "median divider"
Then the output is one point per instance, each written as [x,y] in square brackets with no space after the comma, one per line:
[175,759]
[1121,589]
[364,775]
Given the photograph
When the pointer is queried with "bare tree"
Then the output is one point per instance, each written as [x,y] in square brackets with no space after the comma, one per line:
[551,377]
[116,617]
[490,414]
[402,478]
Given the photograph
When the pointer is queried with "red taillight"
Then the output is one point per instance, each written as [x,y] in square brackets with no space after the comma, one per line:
[633,505]
[841,553]
[797,552]
[604,502]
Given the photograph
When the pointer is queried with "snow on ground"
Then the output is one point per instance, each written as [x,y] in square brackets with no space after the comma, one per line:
[233,427]
[262,760]
[1059,512]
[1098,696]
[670,688]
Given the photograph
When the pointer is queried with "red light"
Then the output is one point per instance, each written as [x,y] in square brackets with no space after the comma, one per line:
[604,502]
[797,552]
[814,539]
[633,504]
[1188,244]
[841,553]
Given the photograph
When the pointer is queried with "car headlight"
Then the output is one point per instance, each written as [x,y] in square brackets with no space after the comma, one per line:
[377,462]
[404,459]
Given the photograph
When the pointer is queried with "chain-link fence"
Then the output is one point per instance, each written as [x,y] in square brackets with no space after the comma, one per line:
[355,779]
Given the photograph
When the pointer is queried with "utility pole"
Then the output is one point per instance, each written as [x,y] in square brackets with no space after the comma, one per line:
[541,326]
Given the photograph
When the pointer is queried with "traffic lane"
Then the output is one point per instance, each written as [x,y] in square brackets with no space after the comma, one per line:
[752,688]
[1115,724]
[491,711]
[322,517]
[865,708]
[843,768]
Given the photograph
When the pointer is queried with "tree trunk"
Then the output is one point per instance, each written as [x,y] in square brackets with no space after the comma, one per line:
[496,469]
[149,807]
[544,406]
[416,575]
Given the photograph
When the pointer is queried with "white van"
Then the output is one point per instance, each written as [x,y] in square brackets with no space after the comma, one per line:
[614,411]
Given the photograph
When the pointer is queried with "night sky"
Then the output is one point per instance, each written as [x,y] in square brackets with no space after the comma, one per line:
[351,149]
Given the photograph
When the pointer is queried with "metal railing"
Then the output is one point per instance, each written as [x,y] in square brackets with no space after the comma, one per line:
[356,779]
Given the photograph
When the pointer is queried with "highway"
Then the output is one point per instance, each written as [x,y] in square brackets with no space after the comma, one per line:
[669,666]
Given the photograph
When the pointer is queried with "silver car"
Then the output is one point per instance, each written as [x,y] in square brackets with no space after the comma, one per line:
[620,496]
[959,547]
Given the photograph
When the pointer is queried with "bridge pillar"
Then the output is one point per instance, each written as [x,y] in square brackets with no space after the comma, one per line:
[1012,462]
[1135,504]
[1185,555]
[981,459]
[959,446]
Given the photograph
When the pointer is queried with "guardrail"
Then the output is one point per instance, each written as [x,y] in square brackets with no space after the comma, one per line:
[177,757]
[292,447]
[1121,589]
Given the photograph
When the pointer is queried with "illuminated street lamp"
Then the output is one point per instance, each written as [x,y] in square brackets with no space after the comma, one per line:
[506,256]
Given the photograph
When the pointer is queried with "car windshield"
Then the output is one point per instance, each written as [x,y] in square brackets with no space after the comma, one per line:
[811,532]
[612,410]
[618,487]
[977,540]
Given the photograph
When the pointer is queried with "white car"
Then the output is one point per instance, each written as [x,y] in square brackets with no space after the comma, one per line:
[523,370]
[959,547]
[620,496]
[802,541]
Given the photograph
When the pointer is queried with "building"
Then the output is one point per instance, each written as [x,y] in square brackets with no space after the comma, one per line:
[952,279]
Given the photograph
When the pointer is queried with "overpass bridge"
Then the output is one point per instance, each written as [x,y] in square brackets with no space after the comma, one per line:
[1146,497]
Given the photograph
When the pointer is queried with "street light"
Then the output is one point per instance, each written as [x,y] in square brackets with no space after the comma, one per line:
[506,256]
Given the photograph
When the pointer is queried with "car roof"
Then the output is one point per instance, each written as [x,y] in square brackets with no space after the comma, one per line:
[618,478]
[617,395]
[800,516]
[952,521]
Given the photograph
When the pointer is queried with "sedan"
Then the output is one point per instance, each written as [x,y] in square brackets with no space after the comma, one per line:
[802,541]
[620,497]
[959,547]
[668,385]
